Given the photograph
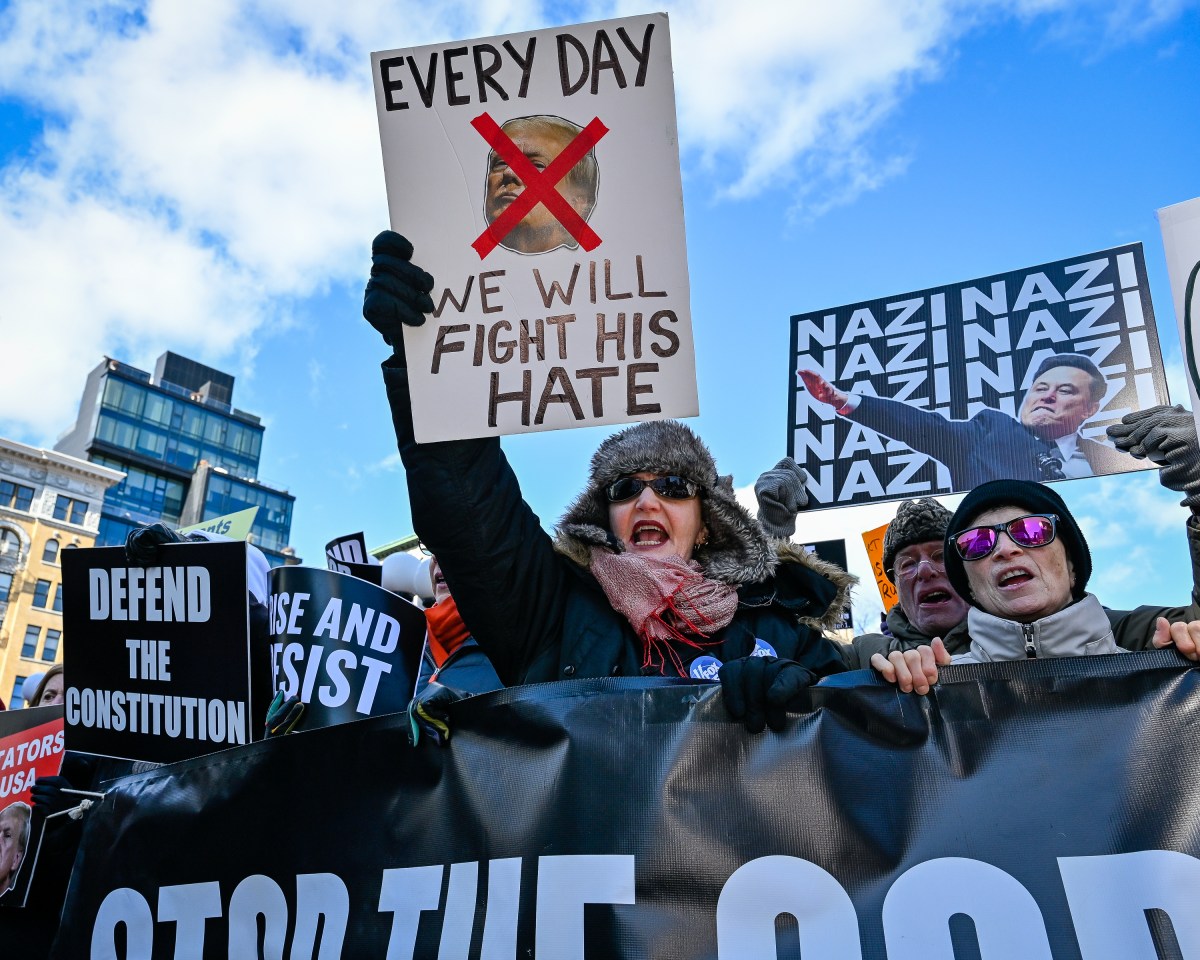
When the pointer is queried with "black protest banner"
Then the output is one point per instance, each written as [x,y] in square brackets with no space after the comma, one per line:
[931,391]
[348,648]
[341,552]
[31,746]
[159,657]
[1036,810]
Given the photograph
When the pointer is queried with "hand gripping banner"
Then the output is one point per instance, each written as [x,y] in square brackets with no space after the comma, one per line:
[1043,809]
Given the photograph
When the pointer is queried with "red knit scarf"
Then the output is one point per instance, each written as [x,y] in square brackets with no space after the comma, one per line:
[446,630]
[668,601]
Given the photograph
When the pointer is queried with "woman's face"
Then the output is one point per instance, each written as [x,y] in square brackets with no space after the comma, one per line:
[440,590]
[1020,583]
[654,526]
[53,692]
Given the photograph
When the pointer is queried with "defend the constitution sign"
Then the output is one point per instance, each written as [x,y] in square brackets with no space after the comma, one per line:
[537,176]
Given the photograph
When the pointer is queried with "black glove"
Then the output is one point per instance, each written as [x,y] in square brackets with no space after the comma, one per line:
[283,715]
[48,797]
[398,291]
[142,545]
[429,712]
[760,690]
[781,495]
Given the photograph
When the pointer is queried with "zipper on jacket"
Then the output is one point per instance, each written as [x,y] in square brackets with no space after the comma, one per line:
[1030,649]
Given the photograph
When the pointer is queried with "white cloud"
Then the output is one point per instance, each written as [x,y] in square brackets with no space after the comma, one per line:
[206,166]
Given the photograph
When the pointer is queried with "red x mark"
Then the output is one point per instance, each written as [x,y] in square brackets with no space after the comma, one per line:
[539,184]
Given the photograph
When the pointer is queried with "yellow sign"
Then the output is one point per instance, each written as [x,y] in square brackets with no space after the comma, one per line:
[873,540]
[235,526]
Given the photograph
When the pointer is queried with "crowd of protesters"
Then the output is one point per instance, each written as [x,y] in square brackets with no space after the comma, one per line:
[657,570]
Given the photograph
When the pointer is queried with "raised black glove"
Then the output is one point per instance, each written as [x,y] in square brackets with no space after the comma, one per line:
[142,545]
[398,292]
[283,714]
[48,797]
[429,712]
[1135,429]
[781,495]
[759,690]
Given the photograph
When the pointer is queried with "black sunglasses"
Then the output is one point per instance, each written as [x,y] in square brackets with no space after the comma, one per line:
[669,487]
[1033,530]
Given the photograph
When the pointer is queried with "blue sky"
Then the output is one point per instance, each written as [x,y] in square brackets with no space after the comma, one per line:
[206,178]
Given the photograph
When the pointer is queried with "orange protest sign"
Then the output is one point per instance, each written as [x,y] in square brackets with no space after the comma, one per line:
[873,540]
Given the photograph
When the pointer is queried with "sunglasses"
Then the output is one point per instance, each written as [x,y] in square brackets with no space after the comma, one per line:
[670,488]
[1034,530]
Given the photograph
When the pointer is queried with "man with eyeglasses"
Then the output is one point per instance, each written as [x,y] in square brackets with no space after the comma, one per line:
[1042,443]
[1015,553]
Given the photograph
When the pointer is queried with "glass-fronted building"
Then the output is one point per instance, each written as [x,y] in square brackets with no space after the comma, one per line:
[188,455]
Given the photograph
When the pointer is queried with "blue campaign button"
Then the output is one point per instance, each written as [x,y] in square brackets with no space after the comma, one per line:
[705,668]
[763,649]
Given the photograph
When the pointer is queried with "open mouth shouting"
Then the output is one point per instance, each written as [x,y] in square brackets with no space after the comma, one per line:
[648,534]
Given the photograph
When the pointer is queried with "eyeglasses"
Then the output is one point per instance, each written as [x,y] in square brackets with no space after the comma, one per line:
[1034,530]
[906,568]
[669,487]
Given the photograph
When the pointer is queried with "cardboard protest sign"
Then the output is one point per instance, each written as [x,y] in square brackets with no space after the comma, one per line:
[537,175]
[348,648]
[1180,225]
[834,551]
[160,657]
[1014,376]
[235,526]
[873,541]
[31,746]
[341,551]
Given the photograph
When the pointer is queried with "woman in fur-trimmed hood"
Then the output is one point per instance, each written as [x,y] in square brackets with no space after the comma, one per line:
[656,569]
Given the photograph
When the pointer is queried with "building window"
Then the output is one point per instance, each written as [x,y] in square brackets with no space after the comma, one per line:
[41,593]
[50,551]
[5,586]
[10,545]
[16,700]
[73,511]
[57,608]
[29,648]
[15,495]
[50,647]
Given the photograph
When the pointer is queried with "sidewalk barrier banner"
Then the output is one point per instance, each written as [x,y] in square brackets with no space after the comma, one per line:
[537,176]
[1012,376]
[160,658]
[1042,809]
[349,648]
[31,746]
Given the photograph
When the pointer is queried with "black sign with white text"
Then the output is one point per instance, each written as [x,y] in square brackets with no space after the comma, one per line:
[159,657]
[939,390]
[1039,810]
[350,649]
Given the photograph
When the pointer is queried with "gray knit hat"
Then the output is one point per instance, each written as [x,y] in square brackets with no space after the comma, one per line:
[737,550]
[917,521]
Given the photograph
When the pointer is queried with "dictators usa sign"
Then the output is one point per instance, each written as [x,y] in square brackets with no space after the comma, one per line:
[537,176]
[1010,376]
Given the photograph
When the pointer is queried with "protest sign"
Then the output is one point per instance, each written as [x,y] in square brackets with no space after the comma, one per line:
[873,541]
[834,551]
[235,526]
[348,648]
[537,175]
[942,389]
[31,746]
[1180,225]
[351,548]
[1023,810]
[160,656]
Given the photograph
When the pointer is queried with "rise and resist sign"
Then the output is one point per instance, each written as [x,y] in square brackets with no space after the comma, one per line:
[537,175]
[939,380]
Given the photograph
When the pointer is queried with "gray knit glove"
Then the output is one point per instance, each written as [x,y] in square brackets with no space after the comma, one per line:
[1166,436]
[781,495]
[1144,431]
